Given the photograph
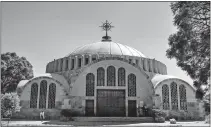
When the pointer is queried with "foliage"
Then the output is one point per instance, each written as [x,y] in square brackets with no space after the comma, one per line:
[13,70]
[190,45]
[67,114]
[173,121]
[158,113]
[10,103]
[206,101]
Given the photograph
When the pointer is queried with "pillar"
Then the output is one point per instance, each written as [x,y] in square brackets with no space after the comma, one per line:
[90,59]
[69,63]
[76,62]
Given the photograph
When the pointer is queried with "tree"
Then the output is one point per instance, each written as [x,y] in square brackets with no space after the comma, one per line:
[10,103]
[190,45]
[13,70]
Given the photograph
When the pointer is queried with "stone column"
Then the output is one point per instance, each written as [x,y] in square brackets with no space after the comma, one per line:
[170,106]
[76,62]
[90,59]
[82,60]
[146,64]
[38,95]
[178,96]
[54,66]
[47,95]
[69,63]
[64,64]
[59,64]
[126,93]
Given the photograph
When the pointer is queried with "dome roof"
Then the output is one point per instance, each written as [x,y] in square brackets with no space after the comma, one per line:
[111,48]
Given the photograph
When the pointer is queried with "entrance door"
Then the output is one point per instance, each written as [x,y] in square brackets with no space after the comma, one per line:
[132,108]
[89,110]
[110,102]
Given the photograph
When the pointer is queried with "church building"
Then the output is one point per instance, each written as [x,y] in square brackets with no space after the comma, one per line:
[104,79]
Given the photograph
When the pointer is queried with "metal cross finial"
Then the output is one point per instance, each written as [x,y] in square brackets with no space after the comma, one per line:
[106,26]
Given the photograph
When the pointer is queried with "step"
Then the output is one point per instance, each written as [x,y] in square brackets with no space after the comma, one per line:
[114,119]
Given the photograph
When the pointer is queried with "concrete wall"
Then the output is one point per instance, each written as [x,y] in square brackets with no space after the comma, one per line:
[143,87]
[149,65]
[190,92]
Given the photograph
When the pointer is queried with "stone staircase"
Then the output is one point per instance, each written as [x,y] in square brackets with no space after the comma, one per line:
[114,119]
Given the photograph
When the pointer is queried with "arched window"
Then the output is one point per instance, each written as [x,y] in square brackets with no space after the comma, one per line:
[121,77]
[51,95]
[43,93]
[100,76]
[34,94]
[90,84]
[165,97]
[111,76]
[183,101]
[131,85]
[174,96]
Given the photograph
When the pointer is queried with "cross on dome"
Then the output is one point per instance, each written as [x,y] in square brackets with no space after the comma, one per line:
[106,27]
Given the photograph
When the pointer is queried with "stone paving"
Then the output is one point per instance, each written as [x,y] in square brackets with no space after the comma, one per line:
[101,124]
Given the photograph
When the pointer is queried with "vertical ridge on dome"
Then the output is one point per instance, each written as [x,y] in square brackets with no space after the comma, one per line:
[119,47]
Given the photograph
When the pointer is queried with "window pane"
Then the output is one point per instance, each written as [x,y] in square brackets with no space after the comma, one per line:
[90,84]
[34,94]
[165,97]
[111,76]
[100,76]
[131,85]
[52,95]
[121,77]
[43,93]
[174,96]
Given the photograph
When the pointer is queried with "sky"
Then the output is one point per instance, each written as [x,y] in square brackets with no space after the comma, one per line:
[44,31]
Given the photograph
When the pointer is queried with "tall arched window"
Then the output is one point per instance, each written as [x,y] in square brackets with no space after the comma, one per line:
[183,101]
[90,84]
[121,77]
[51,95]
[43,93]
[131,85]
[111,76]
[165,97]
[100,77]
[174,96]
[34,94]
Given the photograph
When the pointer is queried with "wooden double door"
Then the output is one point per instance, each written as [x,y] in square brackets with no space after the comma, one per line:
[110,102]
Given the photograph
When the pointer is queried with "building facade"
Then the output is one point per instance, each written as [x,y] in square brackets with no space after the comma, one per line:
[104,79]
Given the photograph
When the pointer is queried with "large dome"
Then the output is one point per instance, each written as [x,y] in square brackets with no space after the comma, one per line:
[112,48]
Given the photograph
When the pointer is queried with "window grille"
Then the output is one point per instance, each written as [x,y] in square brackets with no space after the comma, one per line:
[121,77]
[100,76]
[165,97]
[183,101]
[34,94]
[43,93]
[131,85]
[90,81]
[111,76]
[174,96]
[51,95]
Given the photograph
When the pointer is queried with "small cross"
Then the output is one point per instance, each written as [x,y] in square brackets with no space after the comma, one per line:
[106,26]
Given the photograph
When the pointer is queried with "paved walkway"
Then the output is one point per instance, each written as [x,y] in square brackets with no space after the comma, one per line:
[101,124]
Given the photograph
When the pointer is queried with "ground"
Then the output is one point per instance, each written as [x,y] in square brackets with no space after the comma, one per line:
[100,124]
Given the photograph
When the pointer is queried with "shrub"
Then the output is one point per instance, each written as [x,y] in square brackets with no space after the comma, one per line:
[158,113]
[67,114]
[159,119]
[10,104]
[173,121]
